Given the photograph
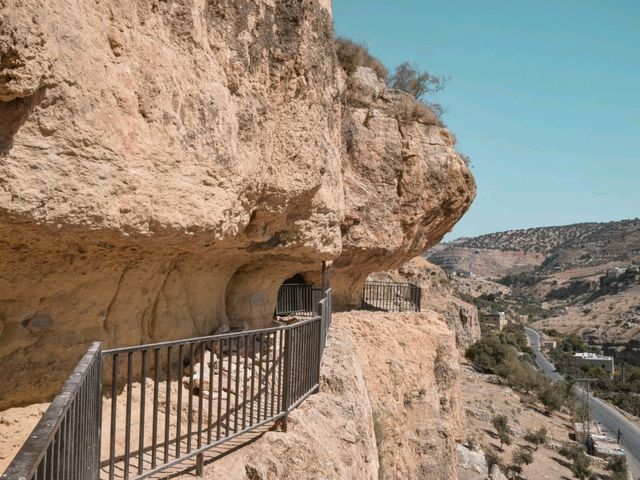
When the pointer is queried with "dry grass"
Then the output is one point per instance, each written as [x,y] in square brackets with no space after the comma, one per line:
[411,110]
[352,55]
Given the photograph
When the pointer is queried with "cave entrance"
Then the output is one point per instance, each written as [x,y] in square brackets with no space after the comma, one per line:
[297,279]
[297,298]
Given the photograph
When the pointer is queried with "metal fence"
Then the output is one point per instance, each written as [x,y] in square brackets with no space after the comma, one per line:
[298,299]
[167,402]
[65,443]
[391,296]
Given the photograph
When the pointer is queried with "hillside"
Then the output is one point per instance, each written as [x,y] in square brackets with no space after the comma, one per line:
[543,248]
[581,278]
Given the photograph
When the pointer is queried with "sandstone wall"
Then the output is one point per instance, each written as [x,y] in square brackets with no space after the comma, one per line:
[405,185]
[164,167]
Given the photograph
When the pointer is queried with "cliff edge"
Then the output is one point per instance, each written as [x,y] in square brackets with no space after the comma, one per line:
[165,167]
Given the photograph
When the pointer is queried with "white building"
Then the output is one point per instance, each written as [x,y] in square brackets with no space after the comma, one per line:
[595,360]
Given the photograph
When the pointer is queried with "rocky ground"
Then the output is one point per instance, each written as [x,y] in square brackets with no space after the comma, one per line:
[483,397]
[377,416]
[15,426]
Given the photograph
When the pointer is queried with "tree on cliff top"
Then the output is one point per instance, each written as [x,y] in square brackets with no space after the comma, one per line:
[419,84]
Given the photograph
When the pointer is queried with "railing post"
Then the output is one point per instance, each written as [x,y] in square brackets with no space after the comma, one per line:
[98,426]
[199,464]
[287,378]
[321,329]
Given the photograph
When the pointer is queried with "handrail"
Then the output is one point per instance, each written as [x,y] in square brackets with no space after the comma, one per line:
[72,415]
[391,296]
[169,401]
[184,341]
[217,387]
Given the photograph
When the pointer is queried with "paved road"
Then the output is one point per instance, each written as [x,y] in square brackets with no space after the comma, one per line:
[610,419]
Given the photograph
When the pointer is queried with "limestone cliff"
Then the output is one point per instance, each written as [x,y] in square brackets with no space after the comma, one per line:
[405,185]
[165,166]
[376,417]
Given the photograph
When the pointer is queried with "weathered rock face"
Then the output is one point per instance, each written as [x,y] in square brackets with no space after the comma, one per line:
[438,296]
[413,387]
[390,163]
[376,417]
[330,435]
[164,167]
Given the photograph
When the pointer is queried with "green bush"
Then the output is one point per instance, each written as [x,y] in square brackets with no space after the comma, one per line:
[581,462]
[552,396]
[501,424]
[507,354]
[618,468]
[522,456]
[490,351]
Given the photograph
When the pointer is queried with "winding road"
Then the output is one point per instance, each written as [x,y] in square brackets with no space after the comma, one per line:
[610,419]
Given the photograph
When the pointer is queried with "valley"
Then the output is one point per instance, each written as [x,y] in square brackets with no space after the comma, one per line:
[581,279]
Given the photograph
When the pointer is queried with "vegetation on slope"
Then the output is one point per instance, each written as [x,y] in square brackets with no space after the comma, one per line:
[406,77]
[507,354]
[624,393]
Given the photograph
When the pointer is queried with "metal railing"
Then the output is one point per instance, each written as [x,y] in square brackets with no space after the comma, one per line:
[167,402]
[171,401]
[65,443]
[298,299]
[391,296]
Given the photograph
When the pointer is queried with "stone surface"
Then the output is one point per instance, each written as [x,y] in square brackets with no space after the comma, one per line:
[376,416]
[437,295]
[410,365]
[163,168]
[405,185]
[330,435]
[473,461]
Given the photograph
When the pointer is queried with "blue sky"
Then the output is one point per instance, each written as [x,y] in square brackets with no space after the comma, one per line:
[544,97]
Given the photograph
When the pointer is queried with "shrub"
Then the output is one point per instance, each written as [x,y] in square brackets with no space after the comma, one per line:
[492,459]
[580,467]
[490,351]
[522,456]
[520,375]
[352,55]
[572,343]
[539,437]
[500,423]
[552,396]
[411,110]
[618,468]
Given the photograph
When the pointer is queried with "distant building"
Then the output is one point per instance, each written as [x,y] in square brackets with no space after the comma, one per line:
[595,360]
[615,273]
[549,344]
[464,274]
[492,322]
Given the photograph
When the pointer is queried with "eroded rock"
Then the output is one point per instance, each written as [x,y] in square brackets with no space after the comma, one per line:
[167,167]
